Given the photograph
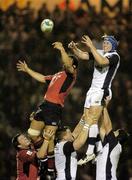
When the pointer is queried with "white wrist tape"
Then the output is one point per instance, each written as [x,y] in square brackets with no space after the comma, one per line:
[82,122]
[86,126]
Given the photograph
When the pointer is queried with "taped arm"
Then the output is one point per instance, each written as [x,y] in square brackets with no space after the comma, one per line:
[22,66]
[81,139]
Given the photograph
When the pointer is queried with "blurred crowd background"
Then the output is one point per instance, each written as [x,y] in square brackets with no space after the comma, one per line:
[22,39]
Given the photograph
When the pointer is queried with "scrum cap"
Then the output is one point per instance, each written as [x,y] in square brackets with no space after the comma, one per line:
[112,40]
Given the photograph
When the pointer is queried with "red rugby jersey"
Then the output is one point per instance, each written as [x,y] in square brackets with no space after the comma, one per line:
[59,86]
[26,165]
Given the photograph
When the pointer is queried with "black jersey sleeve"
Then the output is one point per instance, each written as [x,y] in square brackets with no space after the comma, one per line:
[68,148]
[113,59]
[91,57]
[111,139]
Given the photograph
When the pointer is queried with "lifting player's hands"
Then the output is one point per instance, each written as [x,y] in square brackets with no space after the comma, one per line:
[87,41]
[22,66]
[58,45]
[72,45]
[48,134]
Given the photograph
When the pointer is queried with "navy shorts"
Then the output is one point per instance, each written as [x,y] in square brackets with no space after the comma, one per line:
[49,113]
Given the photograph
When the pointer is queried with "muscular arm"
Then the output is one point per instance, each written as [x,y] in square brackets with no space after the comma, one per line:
[64,57]
[78,52]
[105,123]
[102,131]
[22,66]
[43,149]
[81,139]
[78,129]
[98,58]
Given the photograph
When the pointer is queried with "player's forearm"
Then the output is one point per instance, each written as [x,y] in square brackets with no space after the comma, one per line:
[43,149]
[78,129]
[39,77]
[65,58]
[102,127]
[107,121]
[81,54]
[98,58]
[81,139]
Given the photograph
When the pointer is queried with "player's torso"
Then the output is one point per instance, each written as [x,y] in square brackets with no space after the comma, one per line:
[107,162]
[101,163]
[64,164]
[103,76]
[59,87]
[25,168]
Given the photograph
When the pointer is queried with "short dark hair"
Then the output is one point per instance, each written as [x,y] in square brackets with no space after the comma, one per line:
[75,60]
[15,141]
[123,136]
[60,132]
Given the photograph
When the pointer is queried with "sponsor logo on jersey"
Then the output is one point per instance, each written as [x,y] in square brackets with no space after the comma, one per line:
[29,153]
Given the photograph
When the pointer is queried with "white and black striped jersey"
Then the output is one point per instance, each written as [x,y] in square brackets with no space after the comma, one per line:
[103,76]
[108,159]
[65,161]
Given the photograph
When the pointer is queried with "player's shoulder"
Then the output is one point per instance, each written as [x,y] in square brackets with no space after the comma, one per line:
[68,147]
[22,151]
[59,146]
[25,152]
[60,73]
[112,54]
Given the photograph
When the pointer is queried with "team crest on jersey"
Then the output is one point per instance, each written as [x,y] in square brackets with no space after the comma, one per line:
[29,153]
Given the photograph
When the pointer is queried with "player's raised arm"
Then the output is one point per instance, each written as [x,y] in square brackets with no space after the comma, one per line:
[22,66]
[78,52]
[106,124]
[48,134]
[98,58]
[66,59]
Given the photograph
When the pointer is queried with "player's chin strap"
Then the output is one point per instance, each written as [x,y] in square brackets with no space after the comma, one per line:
[33,132]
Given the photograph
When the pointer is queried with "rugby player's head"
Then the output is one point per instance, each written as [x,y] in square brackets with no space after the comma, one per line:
[64,133]
[15,141]
[122,136]
[109,43]
[20,141]
[74,60]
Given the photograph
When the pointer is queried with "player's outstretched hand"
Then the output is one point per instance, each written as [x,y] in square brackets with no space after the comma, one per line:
[72,45]
[48,134]
[87,41]
[58,45]
[22,66]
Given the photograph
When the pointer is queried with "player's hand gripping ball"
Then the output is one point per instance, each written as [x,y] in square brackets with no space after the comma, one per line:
[47,25]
